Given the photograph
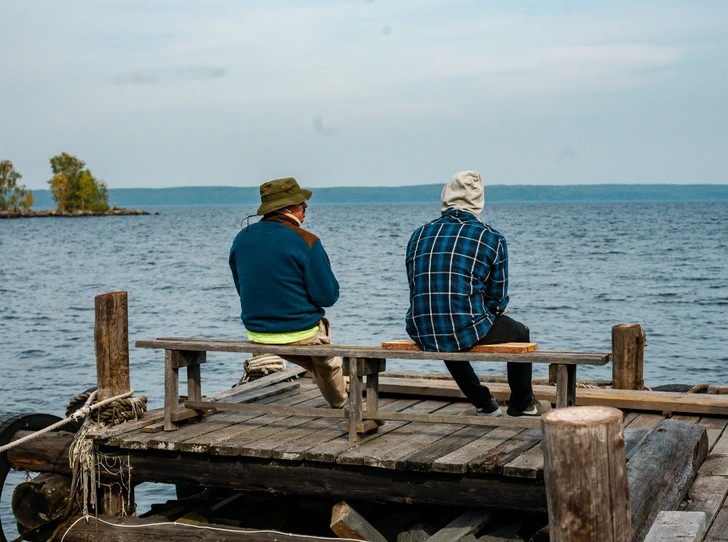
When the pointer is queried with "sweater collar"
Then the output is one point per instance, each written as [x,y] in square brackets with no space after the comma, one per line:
[283,219]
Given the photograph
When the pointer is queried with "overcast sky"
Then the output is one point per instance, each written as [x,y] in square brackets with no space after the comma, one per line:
[366,93]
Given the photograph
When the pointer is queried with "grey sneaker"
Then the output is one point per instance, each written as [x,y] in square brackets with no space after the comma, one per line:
[491,409]
[534,409]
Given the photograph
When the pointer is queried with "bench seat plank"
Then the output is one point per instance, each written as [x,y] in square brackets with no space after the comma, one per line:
[219,345]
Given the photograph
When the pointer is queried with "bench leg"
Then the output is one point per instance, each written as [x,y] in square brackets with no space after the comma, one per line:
[355,400]
[565,386]
[373,391]
[171,390]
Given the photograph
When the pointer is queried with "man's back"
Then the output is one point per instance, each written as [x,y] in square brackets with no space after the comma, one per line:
[457,269]
[283,277]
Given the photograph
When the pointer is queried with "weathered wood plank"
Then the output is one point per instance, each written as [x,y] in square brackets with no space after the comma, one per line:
[326,444]
[374,452]
[687,403]
[458,461]
[670,526]
[330,450]
[715,428]
[707,494]
[240,423]
[718,532]
[169,440]
[468,523]
[258,443]
[646,421]
[526,465]
[721,445]
[348,523]
[422,460]
[377,352]
[494,461]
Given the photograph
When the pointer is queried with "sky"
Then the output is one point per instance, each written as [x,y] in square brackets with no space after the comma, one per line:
[162,93]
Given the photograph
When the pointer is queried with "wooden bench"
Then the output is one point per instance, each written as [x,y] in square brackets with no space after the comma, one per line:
[359,362]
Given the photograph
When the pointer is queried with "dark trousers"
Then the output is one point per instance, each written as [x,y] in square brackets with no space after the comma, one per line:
[504,330]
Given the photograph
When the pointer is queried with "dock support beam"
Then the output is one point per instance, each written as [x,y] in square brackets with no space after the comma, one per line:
[111,340]
[585,470]
[628,354]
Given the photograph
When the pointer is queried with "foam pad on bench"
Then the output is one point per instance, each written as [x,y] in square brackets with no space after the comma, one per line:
[502,348]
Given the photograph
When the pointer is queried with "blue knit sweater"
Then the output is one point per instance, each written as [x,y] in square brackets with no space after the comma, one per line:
[283,276]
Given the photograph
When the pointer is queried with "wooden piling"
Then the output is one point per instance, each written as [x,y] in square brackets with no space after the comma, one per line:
[586,475]
[628,349]
[111,340]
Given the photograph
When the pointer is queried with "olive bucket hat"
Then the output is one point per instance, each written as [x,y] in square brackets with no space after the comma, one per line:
[281,193]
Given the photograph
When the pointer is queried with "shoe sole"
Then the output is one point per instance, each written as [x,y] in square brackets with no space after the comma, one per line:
[493,414]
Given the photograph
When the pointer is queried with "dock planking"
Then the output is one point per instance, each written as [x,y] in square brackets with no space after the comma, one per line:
[444,449]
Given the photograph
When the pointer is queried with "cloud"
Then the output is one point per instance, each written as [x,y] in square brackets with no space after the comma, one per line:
[154,77]
[318,125]
[566,153]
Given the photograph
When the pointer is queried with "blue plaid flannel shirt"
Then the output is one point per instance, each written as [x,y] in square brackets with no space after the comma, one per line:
[457,268]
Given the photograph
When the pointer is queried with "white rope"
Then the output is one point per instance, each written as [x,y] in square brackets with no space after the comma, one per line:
[204,527]
[82,412]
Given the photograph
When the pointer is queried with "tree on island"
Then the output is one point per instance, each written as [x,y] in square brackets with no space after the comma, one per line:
[74,188]
[13,197]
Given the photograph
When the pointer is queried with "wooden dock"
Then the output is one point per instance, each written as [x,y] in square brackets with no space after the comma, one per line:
[403,462]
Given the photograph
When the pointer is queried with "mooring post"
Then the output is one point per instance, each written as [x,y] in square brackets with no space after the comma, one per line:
[628,354]
[585,470]
[111,340]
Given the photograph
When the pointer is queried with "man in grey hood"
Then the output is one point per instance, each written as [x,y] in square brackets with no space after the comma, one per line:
[457,268]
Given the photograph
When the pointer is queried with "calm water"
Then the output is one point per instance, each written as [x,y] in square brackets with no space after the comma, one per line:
[576,270]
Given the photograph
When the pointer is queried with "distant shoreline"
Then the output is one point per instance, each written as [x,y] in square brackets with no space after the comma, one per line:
[44,213]
[429,193]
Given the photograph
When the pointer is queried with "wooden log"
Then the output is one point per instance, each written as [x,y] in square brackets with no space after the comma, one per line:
[672,526]
[111,341]
[467,524]
[132,529]
[586,475]
[348,523]
[49,453]
[628,352]
[41,500]
[662,471]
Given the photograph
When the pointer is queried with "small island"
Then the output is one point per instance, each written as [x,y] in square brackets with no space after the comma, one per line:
[75,190]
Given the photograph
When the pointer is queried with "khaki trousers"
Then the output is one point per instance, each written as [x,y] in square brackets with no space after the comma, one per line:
[327,372]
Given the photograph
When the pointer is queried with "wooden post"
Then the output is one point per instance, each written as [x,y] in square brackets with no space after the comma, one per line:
[628,353]
[586,475]
[111,339]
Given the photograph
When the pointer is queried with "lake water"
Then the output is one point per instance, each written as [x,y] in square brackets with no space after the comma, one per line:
[576,269]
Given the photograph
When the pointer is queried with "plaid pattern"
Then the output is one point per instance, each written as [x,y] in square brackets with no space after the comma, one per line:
[457,268]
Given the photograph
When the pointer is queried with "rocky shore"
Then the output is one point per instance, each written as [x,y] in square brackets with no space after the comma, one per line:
[115,211]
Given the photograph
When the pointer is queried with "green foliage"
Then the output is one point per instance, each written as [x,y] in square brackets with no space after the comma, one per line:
[74,188]
[13,197]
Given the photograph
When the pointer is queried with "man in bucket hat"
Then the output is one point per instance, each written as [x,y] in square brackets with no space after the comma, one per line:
[284,279]
[457,268]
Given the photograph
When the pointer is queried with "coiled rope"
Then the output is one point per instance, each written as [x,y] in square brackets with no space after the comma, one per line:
[260,365]
[82,413]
